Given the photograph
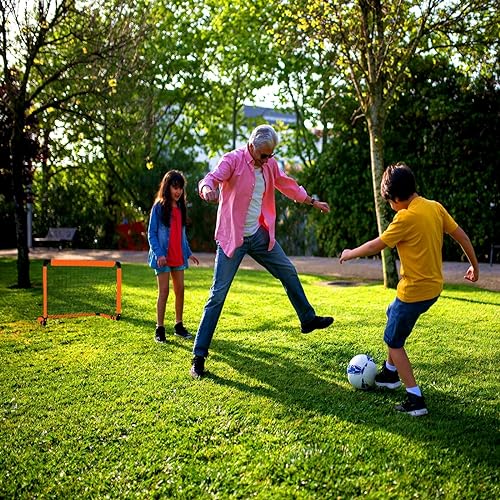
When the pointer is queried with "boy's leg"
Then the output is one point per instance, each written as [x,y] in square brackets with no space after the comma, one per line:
[401,318]
[399,359]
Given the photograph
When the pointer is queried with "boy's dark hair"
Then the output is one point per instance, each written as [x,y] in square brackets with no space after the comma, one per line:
[398,182]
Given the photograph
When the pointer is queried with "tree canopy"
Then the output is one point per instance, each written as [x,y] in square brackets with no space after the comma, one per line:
[110,94]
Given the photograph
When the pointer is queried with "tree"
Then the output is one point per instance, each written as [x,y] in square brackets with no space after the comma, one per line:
[13,189]
[445,125]
[373,43]
[45,51]
[241,60]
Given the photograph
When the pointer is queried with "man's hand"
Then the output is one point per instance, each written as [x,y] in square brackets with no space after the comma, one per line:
[209,195]
[322,205]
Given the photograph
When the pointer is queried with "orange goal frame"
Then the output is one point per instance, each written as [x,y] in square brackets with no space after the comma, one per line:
[80,263]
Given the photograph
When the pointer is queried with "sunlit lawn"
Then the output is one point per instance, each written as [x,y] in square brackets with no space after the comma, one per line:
[93,408]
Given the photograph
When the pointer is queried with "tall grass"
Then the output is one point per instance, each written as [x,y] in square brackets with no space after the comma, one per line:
[93,408]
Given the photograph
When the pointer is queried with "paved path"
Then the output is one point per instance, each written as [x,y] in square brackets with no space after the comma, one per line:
[360,269]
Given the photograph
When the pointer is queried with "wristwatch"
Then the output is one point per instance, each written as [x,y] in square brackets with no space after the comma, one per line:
[312,202]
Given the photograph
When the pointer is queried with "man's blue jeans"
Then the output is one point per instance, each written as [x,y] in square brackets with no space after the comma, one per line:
[275,261]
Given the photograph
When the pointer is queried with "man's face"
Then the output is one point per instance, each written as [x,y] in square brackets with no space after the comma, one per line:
[261,154]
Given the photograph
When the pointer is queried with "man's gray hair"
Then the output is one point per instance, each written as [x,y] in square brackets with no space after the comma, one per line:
[264,135]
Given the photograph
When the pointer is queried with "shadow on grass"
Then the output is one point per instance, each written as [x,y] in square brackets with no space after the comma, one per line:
[450,424]
[470,301]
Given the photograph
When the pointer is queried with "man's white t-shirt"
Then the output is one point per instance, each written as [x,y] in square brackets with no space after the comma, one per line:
[255,208]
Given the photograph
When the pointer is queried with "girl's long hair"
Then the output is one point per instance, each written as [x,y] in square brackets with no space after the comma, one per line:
[176,179]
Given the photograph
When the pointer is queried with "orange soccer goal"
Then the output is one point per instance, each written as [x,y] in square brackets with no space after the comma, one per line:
[73,288]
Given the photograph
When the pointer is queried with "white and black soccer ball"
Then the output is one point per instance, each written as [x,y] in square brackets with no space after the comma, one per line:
[361,372]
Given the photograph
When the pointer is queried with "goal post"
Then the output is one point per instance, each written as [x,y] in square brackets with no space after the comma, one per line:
[73,288]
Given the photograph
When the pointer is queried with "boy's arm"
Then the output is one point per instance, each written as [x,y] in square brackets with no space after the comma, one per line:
[369,248]
[463,240]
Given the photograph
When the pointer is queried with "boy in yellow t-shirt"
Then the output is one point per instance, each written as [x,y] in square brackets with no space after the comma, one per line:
[417,232]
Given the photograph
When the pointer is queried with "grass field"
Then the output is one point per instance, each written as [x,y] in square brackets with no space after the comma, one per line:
[93,408]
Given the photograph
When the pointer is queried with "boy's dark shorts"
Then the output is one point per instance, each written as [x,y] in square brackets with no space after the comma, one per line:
[401,318]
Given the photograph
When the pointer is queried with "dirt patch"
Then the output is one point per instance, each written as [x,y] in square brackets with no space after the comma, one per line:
[344,283]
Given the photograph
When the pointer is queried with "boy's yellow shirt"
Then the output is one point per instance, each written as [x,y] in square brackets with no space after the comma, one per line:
[417,232]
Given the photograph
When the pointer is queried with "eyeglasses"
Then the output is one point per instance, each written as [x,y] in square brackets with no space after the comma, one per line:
[265,157]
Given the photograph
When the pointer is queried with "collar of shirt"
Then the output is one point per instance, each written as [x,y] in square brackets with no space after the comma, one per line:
[248,157]
[251,162]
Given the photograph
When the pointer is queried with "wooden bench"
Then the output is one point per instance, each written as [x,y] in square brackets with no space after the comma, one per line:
[60,236]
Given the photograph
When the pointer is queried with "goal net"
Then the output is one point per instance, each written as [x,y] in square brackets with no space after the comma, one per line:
[73,288]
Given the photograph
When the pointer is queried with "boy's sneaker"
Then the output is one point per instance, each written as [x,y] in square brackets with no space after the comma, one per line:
[414,406]
[198,367]
[317,323]
[181,331]
[160,334]
[387,378]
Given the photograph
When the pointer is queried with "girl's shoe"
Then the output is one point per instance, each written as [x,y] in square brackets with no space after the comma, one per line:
[160,334]
[181,331]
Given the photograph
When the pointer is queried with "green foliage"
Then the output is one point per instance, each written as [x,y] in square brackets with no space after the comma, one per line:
[342,177]
[93,408]
[124,91]
[371,45]
[78,202]
[294,231]
[444,126]
[85,202]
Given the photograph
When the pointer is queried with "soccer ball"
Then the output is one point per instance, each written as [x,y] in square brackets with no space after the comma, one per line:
[361,372]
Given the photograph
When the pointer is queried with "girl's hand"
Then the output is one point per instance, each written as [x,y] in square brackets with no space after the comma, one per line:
[162,261]
[193,259]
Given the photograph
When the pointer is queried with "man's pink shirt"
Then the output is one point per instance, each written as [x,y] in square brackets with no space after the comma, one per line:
[236,173]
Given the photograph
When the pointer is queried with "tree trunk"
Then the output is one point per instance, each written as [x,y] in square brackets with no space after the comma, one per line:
[377,165]
[23,262]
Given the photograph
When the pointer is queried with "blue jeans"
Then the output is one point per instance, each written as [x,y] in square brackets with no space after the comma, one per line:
[401,318]
[275,261]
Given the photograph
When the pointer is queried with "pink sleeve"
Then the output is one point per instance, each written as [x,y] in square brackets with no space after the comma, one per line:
[288,186]
[222,172]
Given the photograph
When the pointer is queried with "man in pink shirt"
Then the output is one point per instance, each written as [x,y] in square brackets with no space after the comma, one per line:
[243,183]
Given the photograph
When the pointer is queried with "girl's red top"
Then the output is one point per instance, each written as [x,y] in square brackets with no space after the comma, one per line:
[174,255]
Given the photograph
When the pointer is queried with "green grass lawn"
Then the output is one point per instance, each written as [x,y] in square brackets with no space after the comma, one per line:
[94,408]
